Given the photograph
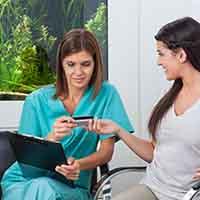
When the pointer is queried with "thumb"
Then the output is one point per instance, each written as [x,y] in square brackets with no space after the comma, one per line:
[70,160]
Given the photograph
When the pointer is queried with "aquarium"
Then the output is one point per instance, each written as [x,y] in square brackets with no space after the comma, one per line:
[29,35]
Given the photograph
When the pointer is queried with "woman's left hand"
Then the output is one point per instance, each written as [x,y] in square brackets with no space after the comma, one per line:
[71,170]
[197,174]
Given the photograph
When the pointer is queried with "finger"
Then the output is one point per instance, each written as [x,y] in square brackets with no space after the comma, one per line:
[90,123]
[61,171]
[65,124]
[74,174]
[70,125]
[69,168]
[61,129]
[58,137]
[99,125]
[196,176]
[61,119]
[64,119]
[67,174]
[61,134]
[94,125]
[74,177]
[73,167]
[198,170]
[69,120]
[59,125]
[70,160]
[65,169]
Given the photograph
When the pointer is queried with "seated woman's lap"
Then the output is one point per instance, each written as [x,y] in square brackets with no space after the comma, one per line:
[44,188]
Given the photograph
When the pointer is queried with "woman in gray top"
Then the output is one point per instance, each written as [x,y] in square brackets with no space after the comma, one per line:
[173,153]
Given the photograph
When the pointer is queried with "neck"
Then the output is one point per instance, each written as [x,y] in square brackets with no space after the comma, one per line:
[75,94]
[191,79]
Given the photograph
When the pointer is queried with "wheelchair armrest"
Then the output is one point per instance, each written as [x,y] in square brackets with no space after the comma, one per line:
[196,186]
[114,172]
[193,193]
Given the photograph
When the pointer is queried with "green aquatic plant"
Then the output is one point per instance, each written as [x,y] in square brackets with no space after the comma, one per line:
[24,61]
[73,13]
[98,25]
[28,34]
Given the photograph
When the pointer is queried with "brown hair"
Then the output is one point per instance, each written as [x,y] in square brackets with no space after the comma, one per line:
[75,41]
[182,33]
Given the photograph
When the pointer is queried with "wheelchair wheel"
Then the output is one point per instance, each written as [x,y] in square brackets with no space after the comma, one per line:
[196,196]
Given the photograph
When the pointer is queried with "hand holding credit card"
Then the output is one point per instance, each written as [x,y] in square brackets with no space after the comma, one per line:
[82,120]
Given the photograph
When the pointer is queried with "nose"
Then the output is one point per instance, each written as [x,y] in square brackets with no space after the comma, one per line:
[78,70]
[158,61]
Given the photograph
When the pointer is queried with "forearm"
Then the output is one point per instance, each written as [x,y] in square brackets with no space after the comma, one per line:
[102,156]
[92,161]
[143,148]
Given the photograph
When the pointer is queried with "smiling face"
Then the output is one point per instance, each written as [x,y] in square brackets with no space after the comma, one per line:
[169,61]
[78,68]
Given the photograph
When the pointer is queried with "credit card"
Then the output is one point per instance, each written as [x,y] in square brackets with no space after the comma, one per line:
[83,120]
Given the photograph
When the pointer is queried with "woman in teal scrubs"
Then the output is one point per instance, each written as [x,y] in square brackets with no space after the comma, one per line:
[49,111]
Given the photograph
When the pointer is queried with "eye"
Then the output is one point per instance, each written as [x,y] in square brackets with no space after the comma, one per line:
[86,63]
[160,53]
[69,64]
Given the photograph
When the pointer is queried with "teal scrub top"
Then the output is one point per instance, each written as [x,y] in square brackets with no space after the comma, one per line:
[41,110]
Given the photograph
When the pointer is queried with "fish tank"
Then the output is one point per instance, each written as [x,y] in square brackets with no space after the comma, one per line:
[30,32]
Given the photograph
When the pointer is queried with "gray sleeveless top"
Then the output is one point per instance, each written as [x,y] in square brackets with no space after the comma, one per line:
[176,156]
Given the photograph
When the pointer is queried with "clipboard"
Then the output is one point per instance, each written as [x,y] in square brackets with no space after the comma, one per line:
[37,154]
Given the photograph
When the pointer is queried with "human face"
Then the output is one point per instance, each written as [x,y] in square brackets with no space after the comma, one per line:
[78,69]
[168,60]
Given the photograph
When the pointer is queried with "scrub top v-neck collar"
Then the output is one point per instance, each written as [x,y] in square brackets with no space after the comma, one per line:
[86,94]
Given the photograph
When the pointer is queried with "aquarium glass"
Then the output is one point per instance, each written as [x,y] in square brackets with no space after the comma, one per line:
[30,31]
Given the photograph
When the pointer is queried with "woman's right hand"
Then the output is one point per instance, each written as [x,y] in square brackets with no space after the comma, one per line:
[61,128]
[103,126]
[71,171]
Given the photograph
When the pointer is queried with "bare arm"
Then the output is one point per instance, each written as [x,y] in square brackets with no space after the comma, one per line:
[143,148]
[102,156]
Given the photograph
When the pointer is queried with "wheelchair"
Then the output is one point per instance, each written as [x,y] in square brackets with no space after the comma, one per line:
[103,190]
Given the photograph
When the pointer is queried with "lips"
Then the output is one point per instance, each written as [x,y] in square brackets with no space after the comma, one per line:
[78,79]
[164,69]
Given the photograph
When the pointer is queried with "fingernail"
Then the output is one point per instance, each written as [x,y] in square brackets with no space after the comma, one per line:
[69,162]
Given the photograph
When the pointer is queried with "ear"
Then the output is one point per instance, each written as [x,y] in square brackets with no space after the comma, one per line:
[182,56]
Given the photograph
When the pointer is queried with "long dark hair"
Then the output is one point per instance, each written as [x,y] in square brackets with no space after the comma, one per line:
[182,33]
[75,41]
